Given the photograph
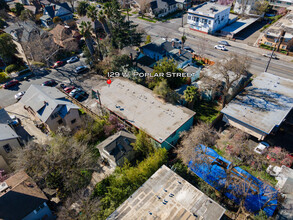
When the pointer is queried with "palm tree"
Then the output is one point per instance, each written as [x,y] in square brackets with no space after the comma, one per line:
[92,13]
[190,95]
[102,19]
[86,30]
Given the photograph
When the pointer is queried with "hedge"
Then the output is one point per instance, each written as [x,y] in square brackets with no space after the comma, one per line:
[3,77]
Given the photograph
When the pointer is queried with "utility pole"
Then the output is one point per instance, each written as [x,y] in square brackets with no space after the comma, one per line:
[183,15]
[279,39]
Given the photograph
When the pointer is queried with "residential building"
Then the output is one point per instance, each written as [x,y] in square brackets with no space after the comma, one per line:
[61,10]
[116,148]
[273,32]
[9,140]
[208,17]
[65,37]
[260,108]
[161,48]
[244,6]
[281,3]
[138,106]
[166,195]
[184,4]
[161,8]
[50,106]
[21,198]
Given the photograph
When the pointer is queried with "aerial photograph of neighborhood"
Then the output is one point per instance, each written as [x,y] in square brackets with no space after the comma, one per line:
[146,109]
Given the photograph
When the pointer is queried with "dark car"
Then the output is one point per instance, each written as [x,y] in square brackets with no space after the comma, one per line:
[10,84]
[80,69]
[223,42]
[188,49]
[80,95]
[51,83]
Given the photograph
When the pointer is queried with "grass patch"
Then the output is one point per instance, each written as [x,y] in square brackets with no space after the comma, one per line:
[273,20]
[263,175]
[135,12]
[206,111]
[147,19]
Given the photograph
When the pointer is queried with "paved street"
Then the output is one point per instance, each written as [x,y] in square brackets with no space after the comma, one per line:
[62,74]
[259,62]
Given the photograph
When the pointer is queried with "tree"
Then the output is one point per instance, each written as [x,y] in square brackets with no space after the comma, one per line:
[102,19]
[225,2]
[148,39]
[86,30]
[282,11]
[56,20]
[202,133]
[82,8]
[3,5]
[120,61]
[163,90]
[261,6]
[231,69]
[8,49]
[18,9]
[26,15]
[190,95]
[183,39]
[144,7]
[168,66]
[143,144]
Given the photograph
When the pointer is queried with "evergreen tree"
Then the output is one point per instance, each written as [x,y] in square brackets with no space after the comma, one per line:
[8,49]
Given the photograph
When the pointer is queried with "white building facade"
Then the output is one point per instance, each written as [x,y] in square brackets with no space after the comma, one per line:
[208,17]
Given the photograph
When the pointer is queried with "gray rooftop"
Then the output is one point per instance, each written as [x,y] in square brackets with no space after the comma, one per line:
[45,100]
[208,9]
[7,132]
[187,201]
[263,104]
[139,106]
[118,144]
[4,117]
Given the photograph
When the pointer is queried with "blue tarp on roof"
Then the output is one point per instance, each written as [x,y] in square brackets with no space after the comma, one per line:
[211,170]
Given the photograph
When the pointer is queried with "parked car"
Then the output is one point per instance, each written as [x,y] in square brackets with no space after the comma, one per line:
[11,84]
[75,91]
[50,83]
[80,95]
[273,170]
[223,42]
[72,59]
[269,55]
[261,148]
[19,95]
[14,120]
[176,40]
[57,64]
[80,69]
[69,89]
[188,49]
[221,47]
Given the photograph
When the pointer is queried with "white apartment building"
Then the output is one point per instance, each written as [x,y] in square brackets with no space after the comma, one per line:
[208,17]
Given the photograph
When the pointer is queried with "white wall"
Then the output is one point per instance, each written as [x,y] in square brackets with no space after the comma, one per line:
[14,145]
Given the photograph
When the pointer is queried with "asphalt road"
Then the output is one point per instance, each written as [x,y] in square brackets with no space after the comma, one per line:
[63,74]
[170,29]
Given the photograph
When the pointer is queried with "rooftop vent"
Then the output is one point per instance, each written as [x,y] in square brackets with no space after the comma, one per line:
[3,186]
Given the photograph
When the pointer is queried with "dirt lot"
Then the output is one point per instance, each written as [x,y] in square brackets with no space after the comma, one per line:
[27,130]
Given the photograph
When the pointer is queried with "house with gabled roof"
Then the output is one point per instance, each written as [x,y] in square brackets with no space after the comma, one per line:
[161,8]
[50,106]
[61,10]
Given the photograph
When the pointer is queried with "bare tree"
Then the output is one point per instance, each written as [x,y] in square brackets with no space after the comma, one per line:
[144,6]
[230,70]
[201,134]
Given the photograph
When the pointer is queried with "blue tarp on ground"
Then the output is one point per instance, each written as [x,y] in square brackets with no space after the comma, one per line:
[211,169]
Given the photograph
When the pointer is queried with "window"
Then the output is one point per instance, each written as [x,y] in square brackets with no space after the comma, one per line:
[222,18]
[209,22]
[54,115]
[172,135]
[268,43]
[205,21]
[60,121]
[197,19]
[283,47]
[189,17]
[7,148]
[73,121]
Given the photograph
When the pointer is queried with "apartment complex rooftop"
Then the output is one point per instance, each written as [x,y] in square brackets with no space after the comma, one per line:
[264,104]
[285,23]
[167,196]
[139,106]
[208,9]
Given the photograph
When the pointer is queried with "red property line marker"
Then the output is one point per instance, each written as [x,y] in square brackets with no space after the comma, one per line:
[109,81]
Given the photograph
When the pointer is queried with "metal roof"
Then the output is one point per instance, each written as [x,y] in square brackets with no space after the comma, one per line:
[263,104]
[166,195]
[7,132]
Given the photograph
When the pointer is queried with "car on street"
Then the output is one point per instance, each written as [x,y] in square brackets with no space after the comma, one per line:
[19,95]
[10,84]
[261,148]
[50,83]
[223,42]
[68,89]
[72,59]
[221,47]
[269,55]
[188,49]
[80,69]
[57,64]
[176,40]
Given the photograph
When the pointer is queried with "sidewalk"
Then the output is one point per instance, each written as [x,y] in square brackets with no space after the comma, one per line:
[261,51]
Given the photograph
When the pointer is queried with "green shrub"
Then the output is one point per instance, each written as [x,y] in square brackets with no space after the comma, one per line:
[11,68]
[3,77]
[38,64]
